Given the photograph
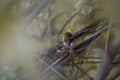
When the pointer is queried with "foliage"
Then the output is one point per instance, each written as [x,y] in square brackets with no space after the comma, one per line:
[36,28]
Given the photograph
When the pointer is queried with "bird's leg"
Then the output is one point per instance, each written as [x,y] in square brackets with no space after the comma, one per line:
[62,55]
[72,58]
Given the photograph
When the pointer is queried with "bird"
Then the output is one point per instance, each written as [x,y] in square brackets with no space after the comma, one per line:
[67,40]
[64,46]
[69,44]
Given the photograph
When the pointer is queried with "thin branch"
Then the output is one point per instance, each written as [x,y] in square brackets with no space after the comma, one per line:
[51,68]
[108,57]
[68,20]
[92,62]
[80,47]
[108,35]
[34,13]
[89,29]
[38,25]
[84,72]
[90,39]
[114,76]
[42,4]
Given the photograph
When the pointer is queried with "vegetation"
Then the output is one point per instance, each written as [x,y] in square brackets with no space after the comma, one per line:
[59,40]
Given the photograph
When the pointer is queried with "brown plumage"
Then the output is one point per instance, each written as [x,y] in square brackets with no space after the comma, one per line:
[66,38]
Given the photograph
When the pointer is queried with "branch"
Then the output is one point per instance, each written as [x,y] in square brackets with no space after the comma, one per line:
[68,20]
[108,57]
[92,62]
[88,29]
[37,9]
[114,76]
[50,67]
[86,42]
[80,47]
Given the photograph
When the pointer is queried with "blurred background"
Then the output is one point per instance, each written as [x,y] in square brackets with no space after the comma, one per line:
[29,27]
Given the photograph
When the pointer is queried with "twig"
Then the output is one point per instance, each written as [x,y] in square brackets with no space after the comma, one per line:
[38,25]
[69,19]
[88,29]
[80,47]
[84,72]
[90,39]
[114,76]
[51,67]
[92,62]
[34,13]
[108,35]
[108,57]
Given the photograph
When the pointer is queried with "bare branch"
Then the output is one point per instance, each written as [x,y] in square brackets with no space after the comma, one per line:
[114,76]
[64,25]
[108,57]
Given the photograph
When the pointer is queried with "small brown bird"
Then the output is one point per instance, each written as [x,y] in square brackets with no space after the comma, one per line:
[66,38]
[69,44]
